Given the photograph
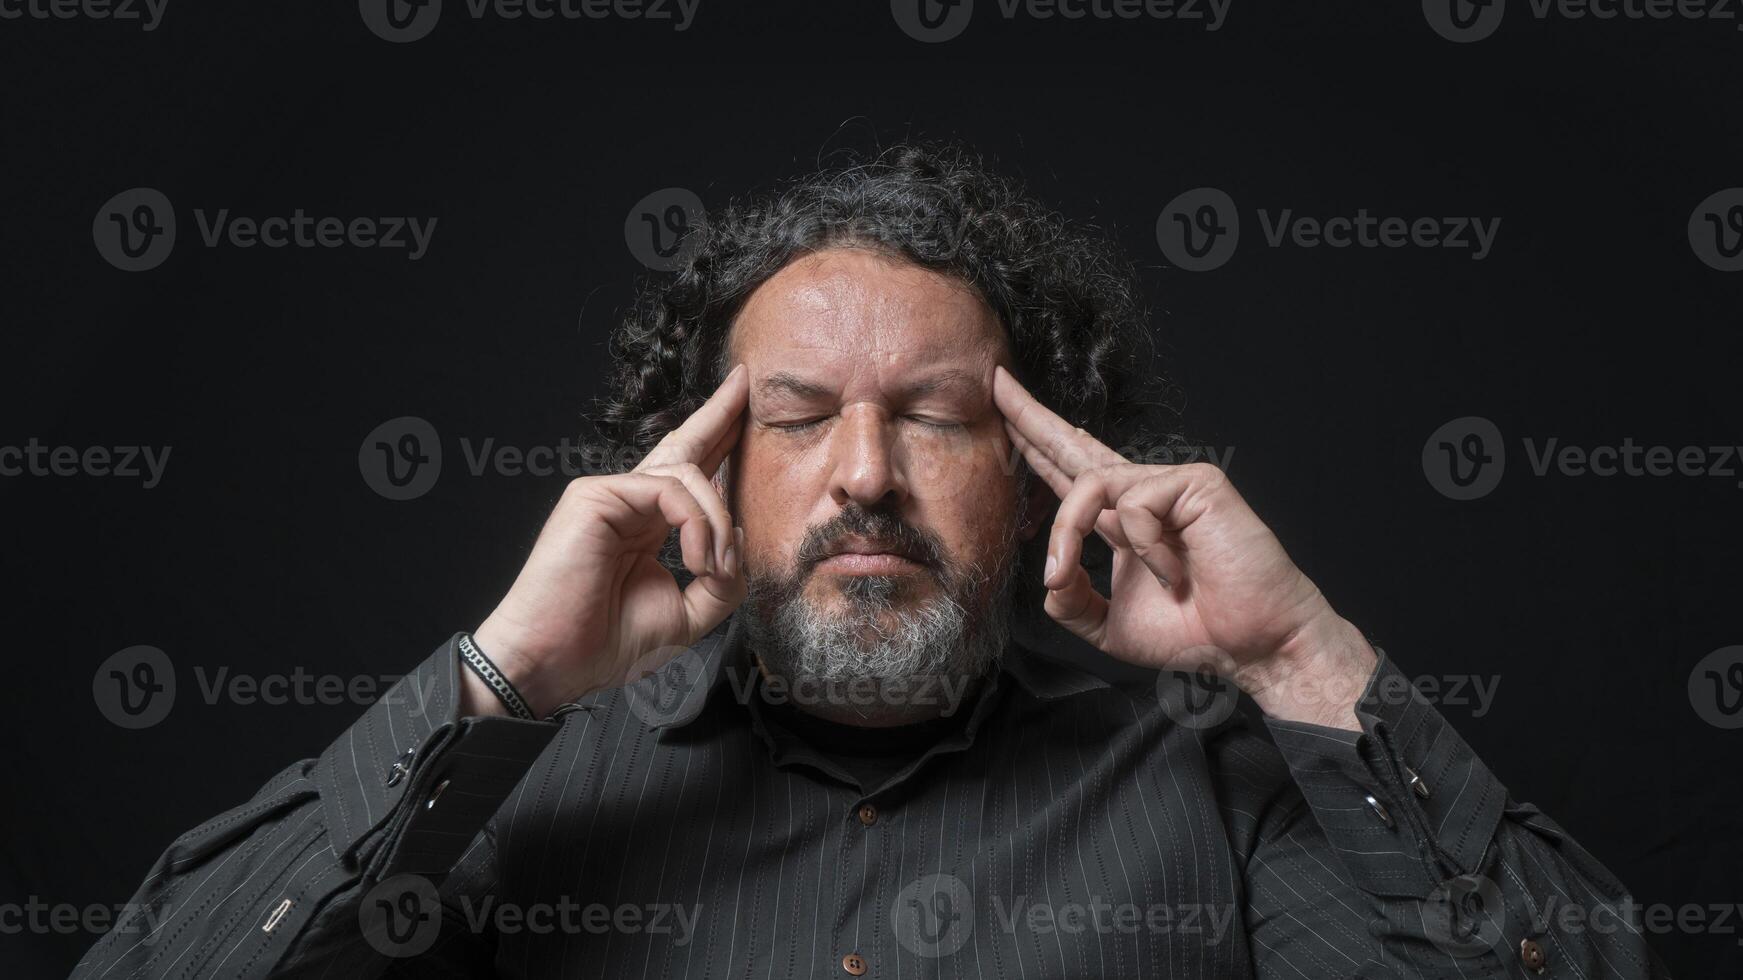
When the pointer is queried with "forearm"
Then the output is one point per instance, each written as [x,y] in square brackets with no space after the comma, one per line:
[278,882]
[1454,873]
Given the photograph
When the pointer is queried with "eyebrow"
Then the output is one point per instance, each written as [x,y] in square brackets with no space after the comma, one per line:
[787,383]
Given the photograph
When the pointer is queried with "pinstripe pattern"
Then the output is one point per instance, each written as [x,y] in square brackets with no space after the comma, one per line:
[1246,849]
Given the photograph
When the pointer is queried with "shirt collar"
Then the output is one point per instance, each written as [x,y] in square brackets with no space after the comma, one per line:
[700,676]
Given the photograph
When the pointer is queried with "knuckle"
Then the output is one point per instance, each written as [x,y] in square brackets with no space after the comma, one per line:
[1131,505]
[1206,474]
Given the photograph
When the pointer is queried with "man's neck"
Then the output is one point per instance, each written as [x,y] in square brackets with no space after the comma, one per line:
[869,703]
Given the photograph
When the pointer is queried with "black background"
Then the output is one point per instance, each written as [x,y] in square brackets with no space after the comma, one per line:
[1590,599]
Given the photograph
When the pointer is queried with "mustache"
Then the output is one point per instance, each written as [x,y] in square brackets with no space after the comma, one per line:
[883,527]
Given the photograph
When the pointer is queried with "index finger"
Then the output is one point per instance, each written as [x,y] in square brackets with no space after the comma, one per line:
[709,433]
[1068,447]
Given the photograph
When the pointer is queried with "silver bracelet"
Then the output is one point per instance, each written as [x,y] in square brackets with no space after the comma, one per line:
[490,675]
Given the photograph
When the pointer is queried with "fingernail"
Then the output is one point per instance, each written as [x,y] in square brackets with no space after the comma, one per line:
[1047,572]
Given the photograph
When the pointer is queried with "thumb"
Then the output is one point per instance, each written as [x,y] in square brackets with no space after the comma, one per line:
[709,599]
[1078,607]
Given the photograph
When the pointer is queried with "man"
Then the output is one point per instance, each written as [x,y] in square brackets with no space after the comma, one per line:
[809,742]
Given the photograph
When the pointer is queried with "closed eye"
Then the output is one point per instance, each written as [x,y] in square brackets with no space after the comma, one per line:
[932,422]
[797,426]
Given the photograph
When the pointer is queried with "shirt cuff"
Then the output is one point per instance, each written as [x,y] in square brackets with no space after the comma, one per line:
[408,787]
[1405,800]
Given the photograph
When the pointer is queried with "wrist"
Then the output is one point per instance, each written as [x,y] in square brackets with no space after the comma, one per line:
[527,673]
[1316,675]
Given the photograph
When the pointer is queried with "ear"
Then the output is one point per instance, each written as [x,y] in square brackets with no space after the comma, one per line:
[1038,507]
[722,480]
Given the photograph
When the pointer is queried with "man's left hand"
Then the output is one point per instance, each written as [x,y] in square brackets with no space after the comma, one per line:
[1198,580]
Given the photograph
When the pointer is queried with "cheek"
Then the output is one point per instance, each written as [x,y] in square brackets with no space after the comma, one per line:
[774,489]
[964,490]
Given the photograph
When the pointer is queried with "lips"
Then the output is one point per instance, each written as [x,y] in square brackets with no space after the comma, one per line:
[860,546]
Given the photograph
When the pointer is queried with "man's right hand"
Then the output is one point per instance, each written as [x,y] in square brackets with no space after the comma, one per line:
[593,604]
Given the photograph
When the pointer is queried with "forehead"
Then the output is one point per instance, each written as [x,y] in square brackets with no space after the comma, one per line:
[844,311]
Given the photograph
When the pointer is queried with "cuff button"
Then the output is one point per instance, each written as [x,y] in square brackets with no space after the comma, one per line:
[1379,809]
[401,766]
[1417,786]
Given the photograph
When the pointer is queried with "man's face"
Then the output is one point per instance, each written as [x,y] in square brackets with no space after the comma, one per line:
[874,473]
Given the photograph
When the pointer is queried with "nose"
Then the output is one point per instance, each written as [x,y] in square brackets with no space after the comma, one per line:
[866,469]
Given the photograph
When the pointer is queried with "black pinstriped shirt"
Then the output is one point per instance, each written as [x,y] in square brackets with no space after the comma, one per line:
[1068,828]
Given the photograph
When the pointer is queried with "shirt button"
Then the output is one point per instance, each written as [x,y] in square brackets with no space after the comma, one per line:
[1379,810]
[868,814]
[400,767]
[854,964]
[1417,786]
[1532,955]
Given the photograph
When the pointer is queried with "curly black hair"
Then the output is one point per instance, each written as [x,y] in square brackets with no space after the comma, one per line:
[1069,303]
